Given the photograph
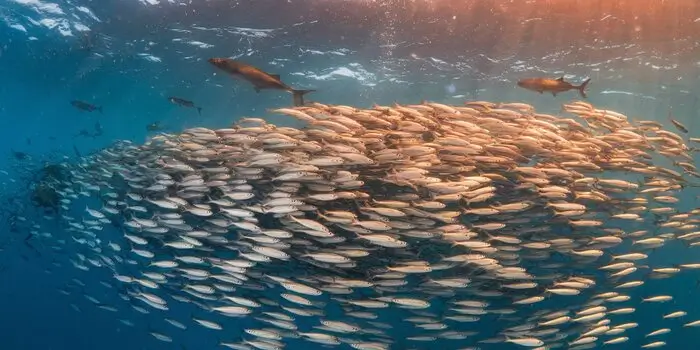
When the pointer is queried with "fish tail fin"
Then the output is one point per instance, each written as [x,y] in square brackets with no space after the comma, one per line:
[199,110]
[582,88]
[299,96]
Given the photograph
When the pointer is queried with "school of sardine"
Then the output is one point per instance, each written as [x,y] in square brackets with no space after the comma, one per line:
[450,219]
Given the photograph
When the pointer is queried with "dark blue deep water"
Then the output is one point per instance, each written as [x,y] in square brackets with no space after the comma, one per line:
[128,56]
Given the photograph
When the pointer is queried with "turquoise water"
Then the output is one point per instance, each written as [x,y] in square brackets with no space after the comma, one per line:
[128,57]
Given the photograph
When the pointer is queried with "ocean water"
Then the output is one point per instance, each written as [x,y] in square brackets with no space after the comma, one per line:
[128,56]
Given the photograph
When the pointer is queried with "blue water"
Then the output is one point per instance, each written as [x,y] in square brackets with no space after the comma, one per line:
[643,57]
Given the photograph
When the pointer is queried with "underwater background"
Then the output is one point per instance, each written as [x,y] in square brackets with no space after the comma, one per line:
[129,56]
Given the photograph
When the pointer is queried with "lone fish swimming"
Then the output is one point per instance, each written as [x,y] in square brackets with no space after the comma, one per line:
[84,106]
[260,80]
[554,86]
[184,103]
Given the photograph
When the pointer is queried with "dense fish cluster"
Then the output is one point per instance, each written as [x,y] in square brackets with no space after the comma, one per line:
[365,225]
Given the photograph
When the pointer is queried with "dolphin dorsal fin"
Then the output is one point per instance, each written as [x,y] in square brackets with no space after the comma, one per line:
[560,79]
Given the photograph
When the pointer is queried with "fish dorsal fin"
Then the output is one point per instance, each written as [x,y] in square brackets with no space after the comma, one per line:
[560,79]
[276,76]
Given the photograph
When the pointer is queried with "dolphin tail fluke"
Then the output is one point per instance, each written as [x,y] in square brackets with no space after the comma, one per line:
[299,96]
[582,88]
